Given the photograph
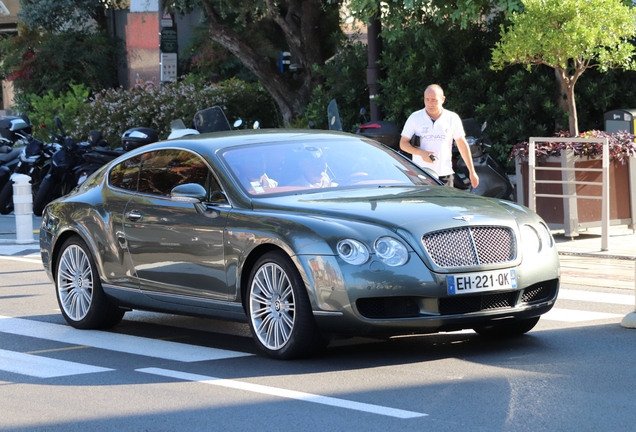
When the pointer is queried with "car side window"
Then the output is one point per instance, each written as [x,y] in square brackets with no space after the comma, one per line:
[162,170]
[125,175]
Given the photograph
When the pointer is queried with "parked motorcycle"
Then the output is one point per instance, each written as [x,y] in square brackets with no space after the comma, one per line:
[97,156]
[13,130]
[61,178]
[34,161]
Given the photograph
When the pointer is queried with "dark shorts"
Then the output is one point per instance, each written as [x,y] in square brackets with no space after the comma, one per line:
[447,179]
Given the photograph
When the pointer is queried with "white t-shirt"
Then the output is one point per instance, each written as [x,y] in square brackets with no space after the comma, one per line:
[435,136]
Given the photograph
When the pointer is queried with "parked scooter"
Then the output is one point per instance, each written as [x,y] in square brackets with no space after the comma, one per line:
[13,130]
[493,180]
[211,119]
[34,161]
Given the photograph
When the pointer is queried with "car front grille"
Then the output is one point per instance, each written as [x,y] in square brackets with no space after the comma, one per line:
[467,304]
[471,246]
[387,307]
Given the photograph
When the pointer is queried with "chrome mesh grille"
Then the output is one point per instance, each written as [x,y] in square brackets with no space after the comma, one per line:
[470,246]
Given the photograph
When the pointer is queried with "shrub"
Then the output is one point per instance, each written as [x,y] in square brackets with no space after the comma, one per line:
[42,109]
[39,62]
[113,111]
[621,147]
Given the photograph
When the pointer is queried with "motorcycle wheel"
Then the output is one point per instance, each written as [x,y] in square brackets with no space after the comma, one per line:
[6,198]
[46,194]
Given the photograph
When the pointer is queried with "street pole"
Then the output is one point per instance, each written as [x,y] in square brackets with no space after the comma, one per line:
[374,48]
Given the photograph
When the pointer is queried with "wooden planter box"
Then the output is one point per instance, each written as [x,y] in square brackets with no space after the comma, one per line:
[571,214]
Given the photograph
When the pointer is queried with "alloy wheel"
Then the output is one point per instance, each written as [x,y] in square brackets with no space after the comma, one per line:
[75,282]
[272,306]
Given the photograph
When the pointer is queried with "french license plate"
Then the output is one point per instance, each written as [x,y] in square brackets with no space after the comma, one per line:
[482,281]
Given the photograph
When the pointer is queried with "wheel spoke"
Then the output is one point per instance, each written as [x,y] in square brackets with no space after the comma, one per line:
[260,299]
[286,325]
[258,313]
[285,318]
[288,293]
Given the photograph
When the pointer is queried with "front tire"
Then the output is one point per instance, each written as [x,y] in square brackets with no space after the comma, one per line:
[79,292]
[507,329]
[279,311]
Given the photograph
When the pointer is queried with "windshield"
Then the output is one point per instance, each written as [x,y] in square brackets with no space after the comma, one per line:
[274,168]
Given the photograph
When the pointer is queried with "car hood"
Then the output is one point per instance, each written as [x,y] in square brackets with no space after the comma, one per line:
[414,209]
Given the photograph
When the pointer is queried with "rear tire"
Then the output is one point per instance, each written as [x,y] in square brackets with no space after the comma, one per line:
[6,198]
[507,329]
[78,289]
[46,194]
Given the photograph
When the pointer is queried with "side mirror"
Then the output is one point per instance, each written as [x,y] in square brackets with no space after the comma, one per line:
[58,122]
[238,123]
[189,193]
[257,124]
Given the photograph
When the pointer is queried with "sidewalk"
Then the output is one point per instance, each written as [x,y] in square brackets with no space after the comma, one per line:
[584,263]
[8,243]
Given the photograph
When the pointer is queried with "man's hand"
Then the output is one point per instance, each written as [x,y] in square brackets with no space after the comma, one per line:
[474,179]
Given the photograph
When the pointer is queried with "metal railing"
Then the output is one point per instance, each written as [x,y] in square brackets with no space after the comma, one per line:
[569,182]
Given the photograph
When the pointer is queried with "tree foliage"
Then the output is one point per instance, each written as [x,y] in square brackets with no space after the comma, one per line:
[61,43]
[56,15]
[569,36]
[398,16]
[256,31]
[38,62]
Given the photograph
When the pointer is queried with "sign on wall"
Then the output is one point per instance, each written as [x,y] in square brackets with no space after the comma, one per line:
[168,67]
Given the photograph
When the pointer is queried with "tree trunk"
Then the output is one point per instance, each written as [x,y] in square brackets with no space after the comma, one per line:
[300,23]
[562,96]
[574,118]
[566,100]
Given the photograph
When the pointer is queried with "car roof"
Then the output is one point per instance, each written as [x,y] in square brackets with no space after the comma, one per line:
[211,142]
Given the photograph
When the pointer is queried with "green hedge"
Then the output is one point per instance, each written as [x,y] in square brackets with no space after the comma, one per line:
[114,111]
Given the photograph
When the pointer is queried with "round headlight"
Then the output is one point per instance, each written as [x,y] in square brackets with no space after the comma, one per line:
[530,238]
[353,251]
[390,251]
[547,241]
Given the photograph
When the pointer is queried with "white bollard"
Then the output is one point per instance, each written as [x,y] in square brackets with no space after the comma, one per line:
[629,321]
[23,208]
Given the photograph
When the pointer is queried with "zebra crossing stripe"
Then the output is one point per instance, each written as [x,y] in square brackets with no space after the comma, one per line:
[43,367]
[289,394]
[115,342]
[570,315]
[597,297]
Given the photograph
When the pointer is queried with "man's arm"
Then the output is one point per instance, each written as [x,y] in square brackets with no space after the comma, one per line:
[464,151]
[405,145]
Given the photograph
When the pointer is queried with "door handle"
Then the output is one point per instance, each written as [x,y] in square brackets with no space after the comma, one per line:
[133,216]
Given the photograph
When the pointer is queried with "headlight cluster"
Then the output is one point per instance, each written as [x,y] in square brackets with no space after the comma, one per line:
[536,238]
[389,250]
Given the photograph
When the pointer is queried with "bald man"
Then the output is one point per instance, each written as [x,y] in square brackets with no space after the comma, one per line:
[437,128]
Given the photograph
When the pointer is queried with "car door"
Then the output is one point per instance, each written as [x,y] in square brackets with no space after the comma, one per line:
[176,247]
[122,186]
